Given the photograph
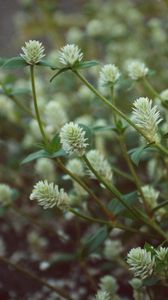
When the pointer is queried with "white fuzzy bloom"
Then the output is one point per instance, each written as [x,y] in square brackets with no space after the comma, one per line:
[162,253]
[137,69]
[109,75]
[112,249]
[44,167]
[102,295]
[7,108]
[33,52]
[141,262]
[164,95]
[48,195]
[55,116]
[151,195]
[109,284]
[76,167]
[147,118]
[73,139]
[70,54]
[5,195]
[100,164]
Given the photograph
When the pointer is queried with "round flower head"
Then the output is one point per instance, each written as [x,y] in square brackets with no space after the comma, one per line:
[109,75]
[76,167]
[141,262]
[70,55]
[109,284]
[147,118]
[102,295]
[73,139]
[162,253]
[44,167]
[33,52]
[48,195]
[55,116]
[100,164]
[151,195]
[5,195]
[112,249]
[137,69]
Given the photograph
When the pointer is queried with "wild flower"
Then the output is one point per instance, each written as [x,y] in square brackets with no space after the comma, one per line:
[33,52]
[100,164]
[44,167]
[147,118]
[141,262]
[112,249]
[70,55]
[102,295]
[55,116]
[162,253]
[137,69]
[151,195]
[109,284]
[75,165]
[73,139]
[48,195]
[109,75]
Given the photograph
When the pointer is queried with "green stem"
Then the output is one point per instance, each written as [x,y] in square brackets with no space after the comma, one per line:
[26,272]
[113,102]
[151,88]
[122,173]
[86,188]
[36,105]
[117,111]
[164,203]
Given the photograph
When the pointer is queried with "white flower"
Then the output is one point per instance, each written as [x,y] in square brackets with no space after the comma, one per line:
[112,249]
[102,295]
[70,54]
[44,167]
[109,75]
[109,284]
[162,253]
[48,195]
[76,167]
[33,52]
[100,164]
[151,195]
[5,194]
[73,139]
[147,118]
[141,262]
[55,116]
[137,69]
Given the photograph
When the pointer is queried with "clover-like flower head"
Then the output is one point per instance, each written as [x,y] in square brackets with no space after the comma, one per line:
[70,54]
[33,52]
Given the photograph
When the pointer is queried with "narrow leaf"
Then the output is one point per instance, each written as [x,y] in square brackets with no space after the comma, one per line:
[14,63]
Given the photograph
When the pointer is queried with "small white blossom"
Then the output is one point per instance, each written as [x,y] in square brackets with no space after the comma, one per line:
[162,253]
[73,139]
[100,164]
[102,295]
[141,262]
[109,75]
[112,249]
[55,116]
[147,118]
[5,194]
[164,95]
[48,195]
[137,69]
[33,52]
[109,284]
[76,167]
[70,54]
[44,167]
[151,195]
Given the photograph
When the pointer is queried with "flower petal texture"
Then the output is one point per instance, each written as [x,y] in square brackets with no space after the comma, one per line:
[109,75]
[33,52]
[137,69]
[48,195]
[147,118]
[70,54]
[73,139]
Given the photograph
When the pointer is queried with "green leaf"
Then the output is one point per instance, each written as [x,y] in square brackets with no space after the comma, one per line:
[43,153]
[117,208]
[45,63]
[63,257]
[14,63]
[150,281]
[93,242]
[138,153]
[86,64]
[2,61]
[59,72]
[102,128]
[19,91]
[55,144]
[149,248]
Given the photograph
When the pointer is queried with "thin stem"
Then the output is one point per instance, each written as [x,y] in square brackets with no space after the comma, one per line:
[36,105]
[151,89]
[28,273]
[21,106]
[122,173]
[113,102]
[86,188]
[162,204]
[117,111]
[133,172]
